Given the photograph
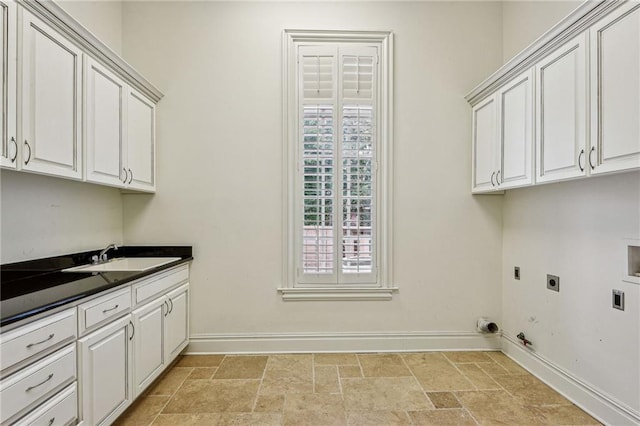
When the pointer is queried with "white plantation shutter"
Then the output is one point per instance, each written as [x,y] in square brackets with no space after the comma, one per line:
[337,164]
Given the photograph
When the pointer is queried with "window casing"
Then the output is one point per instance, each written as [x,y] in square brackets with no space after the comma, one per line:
[338,158]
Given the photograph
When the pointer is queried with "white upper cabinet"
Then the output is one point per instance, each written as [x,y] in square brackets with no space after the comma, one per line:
[561,112]
[51,101]
[140,158]
[8,88]
[615,91]
[515,115]
[485,140]
[104,125]
[502,137]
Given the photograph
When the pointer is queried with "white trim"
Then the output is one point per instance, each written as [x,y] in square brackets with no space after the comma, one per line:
[341,342]
[384,39]
[597,403]
[334,293]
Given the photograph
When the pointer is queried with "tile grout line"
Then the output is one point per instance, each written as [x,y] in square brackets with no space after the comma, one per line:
[264,372]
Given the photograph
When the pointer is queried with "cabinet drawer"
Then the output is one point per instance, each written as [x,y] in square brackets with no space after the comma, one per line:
[60,410]
[36,382]
[159,283]
[24,342]
[103,308]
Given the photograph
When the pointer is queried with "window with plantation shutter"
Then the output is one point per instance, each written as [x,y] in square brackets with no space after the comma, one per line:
[338,174]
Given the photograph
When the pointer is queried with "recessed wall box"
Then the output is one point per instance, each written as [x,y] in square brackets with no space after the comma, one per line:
[631,266]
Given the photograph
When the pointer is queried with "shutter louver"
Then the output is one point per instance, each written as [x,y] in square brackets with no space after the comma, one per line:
[357,74]
[317,76]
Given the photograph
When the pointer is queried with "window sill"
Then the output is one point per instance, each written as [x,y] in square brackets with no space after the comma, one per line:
[313,294]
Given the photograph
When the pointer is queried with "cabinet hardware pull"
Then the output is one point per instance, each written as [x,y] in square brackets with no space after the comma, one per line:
[167,311]
[51,420]
[16,145]
[40,384]
[126,176]
[133,330]
[497,178]
[109,310]
[29,157]
[492,174]
[580,162]
[130,178]
[30,345]
[171,300]
[593,149]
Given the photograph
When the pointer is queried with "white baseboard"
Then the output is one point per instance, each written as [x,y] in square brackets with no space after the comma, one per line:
[601,406]
[341,342]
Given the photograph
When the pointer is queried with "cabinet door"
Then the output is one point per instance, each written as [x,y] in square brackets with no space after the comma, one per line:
[104,102]
[8,137]
[561,118]
[140,142]
[177,322]
[515,103]
[148,343]
[615,91]
[105,374]
[484,142]
[51,89]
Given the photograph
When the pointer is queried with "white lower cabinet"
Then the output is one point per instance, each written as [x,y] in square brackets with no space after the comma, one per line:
[148,343]
[105,372]
[177,322]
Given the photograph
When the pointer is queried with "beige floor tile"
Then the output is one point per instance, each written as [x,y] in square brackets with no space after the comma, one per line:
[467,356]
[382,393]
[429,360]
[498,408]
[493,369]
[454,417]
[241,367]
[530,391]
[197,419]
[335,359]
[349,371]
[314,418]
[507,363]
[262,419]
[478,377]
[383,365]
[567,415]
[378,418]
[143,411]
[325,379]
[169,383]
[445,379]
[269,403]
[200,361]
[444,400]
[202,373]
[290,366]
[214,396]
[286,385]
[313,402]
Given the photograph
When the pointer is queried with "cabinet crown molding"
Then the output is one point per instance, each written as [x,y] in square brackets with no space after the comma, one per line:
[57,17]
[573,24]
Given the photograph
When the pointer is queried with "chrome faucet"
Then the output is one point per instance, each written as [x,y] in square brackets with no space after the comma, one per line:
[102,257]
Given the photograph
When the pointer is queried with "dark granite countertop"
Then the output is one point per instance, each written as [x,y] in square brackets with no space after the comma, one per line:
[31,287]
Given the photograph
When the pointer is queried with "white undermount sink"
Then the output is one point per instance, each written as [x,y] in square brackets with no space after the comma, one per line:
[124,264]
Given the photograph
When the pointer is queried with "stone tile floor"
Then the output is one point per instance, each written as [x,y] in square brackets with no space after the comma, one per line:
[432,388]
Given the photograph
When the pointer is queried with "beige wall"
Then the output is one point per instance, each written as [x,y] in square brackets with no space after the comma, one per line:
[220,161]
[524,21]
[43,216]
[103,18]
[573,230]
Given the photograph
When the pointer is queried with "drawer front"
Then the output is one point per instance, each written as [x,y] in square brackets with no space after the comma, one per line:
[60,410]
[37,382]
[103,308]
[159,284]
[36,337]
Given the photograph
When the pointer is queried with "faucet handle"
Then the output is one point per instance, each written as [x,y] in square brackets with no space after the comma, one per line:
[94,259]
